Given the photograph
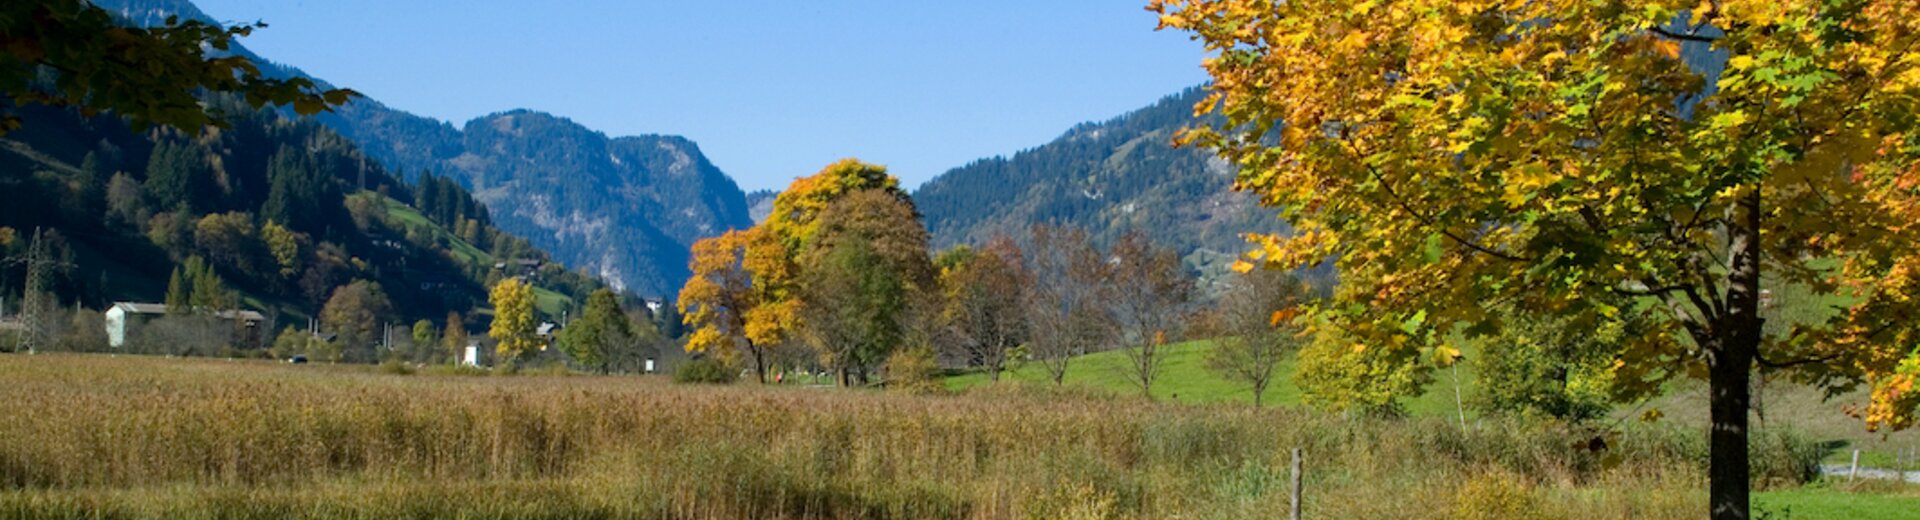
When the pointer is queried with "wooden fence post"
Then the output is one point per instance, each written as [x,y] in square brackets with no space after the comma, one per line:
[1856,466]
[1294,513]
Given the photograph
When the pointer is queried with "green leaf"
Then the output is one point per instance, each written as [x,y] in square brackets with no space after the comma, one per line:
[1434,248]
[1413,323]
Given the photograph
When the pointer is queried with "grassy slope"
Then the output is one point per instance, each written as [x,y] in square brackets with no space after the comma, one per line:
[547,302]
[462,250]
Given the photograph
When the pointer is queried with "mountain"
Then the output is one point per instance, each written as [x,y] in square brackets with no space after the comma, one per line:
[625,208]
[284,211]
[760,204]
[628,208]
[1109,177]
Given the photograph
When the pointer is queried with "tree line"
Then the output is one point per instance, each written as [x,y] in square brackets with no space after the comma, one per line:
[839,278]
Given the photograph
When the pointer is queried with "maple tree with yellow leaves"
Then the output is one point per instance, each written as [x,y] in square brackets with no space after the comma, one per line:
[1564,156]
[743,295]
[513,320]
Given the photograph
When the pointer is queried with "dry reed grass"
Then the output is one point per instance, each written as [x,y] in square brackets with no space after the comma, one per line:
[94,436]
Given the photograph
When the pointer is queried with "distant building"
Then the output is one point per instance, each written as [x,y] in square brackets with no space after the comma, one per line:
[471,356]
[124,318]
[549,333]
[519,267]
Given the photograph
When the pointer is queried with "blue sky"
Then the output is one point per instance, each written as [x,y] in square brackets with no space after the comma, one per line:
[771,90]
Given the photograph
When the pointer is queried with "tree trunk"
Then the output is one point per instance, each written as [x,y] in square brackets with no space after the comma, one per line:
[1729,471]
[1732,351]
[759,364]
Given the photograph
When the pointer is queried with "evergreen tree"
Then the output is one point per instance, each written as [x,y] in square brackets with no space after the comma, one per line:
[601,332]
[178,176]
[425,198]
[668,321]
[177,289]
[209,292]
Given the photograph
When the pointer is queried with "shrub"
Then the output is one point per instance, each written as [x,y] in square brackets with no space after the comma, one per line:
[1494,496]
[506,368]
[913,371]
[703,370]
[456,369]
[396,367]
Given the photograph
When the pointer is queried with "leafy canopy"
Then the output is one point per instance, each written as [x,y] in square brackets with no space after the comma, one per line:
[744,288]
[70,53]
[1566,155]
[513,320]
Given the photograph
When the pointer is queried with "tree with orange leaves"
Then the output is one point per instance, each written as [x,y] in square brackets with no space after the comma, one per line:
[720,296]
[1564,155]
[743,296]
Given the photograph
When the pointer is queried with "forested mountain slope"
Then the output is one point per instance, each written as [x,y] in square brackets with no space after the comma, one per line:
[627,208]
[283,211]
[1110,177]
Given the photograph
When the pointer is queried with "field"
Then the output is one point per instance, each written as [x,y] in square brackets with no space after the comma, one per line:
[135,437]
[1186,379]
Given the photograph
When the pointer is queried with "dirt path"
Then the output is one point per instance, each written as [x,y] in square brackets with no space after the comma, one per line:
[1841,471]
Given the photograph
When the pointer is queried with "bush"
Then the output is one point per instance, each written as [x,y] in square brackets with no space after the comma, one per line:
[396,367]
[703,370]
[913,371]
[456,370]
[506,368]
[1494,496]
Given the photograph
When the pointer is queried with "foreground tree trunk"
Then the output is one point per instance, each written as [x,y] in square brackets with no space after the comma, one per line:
[1732,349]
[1729,471]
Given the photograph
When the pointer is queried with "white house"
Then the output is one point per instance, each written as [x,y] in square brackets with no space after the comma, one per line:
[472,355]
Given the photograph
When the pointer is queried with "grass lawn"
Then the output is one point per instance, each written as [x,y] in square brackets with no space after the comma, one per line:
[1823,502]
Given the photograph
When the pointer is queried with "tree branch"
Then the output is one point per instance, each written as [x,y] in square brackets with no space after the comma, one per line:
[1647,290]
[1688,37]
[1762,358]
[1424,220]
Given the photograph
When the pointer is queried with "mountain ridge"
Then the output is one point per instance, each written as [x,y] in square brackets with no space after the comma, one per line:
[1109,177]
[656,193]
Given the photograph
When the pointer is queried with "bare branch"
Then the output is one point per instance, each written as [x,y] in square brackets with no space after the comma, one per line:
[1687,36]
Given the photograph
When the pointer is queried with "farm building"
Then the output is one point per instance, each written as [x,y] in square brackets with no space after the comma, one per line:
[124,318]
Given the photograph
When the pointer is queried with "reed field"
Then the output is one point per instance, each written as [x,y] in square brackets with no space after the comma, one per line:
[142,437]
